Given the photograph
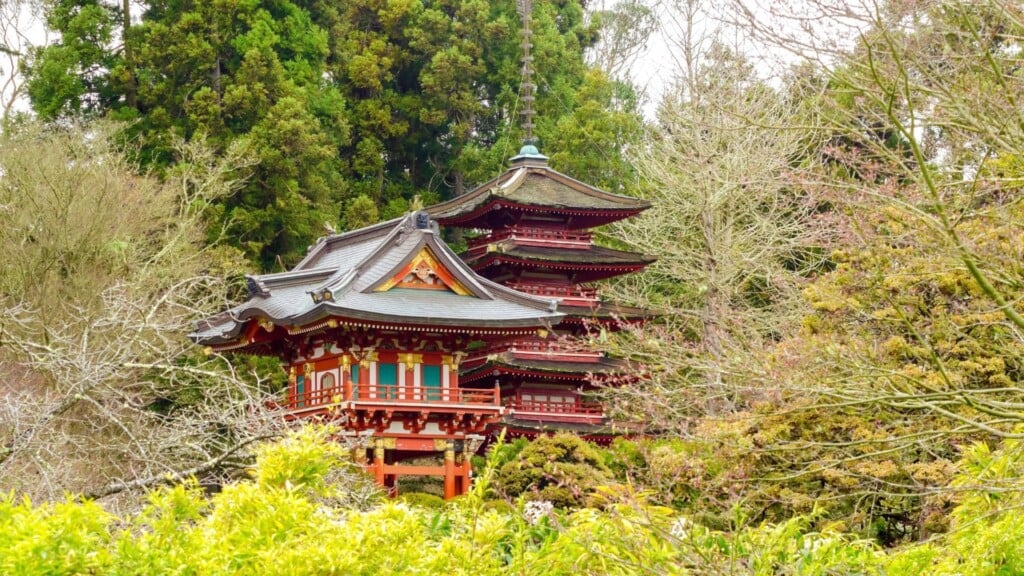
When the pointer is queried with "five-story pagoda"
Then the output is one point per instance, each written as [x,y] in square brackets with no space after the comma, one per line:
[536,238]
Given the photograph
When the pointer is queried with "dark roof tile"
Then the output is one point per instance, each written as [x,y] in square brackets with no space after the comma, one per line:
[351,266]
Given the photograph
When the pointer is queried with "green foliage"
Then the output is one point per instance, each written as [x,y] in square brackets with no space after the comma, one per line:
[337,103]
[55,538]
[562,469]
[360,211]
[987,532]
[882,351]
[697,475]
[505,452]
[855,397]
[422,500]
[300,461]
[251,72]
[73,75]
[277,524]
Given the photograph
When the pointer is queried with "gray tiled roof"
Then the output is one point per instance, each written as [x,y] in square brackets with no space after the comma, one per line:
[351,266]
[537,185]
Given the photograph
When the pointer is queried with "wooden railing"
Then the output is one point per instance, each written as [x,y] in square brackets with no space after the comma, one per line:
[393,394]
[310,398]
[591,412]
[589,408]
[535,349]
[570,294]
[533,237]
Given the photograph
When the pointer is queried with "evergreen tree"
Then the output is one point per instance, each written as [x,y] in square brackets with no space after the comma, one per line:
[385,100]
[77,73]
[253,70]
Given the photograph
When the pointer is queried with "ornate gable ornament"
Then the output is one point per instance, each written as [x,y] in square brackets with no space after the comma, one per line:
[424,272]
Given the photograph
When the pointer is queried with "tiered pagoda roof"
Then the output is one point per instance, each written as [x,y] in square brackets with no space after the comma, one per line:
[504,363]
[592,263]
[531,187]
[395,273]
[537,240]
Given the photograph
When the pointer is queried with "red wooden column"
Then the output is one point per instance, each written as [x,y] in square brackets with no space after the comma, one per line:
[451,363]
[410,361]
[467,467]
[311,397]
[378,458]
[364,378]
[449,470]
[346,377]
[293,387]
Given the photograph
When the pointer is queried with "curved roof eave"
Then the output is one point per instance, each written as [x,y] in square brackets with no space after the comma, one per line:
[503,187]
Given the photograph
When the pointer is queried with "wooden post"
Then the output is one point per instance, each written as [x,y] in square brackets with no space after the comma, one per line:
[467,468]
[378,459]
[449,470]
[346,377]
[293,387]
[312,397]
[410,362]
[451,364]
[364,379]
[454,378]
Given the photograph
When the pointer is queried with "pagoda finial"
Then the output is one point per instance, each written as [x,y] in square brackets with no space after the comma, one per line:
[525,8]
[528,154]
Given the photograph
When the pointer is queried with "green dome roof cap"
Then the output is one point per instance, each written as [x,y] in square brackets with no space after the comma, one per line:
[529,154]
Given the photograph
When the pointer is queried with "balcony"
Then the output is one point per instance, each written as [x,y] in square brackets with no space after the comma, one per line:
[372,396]
[570,294]
[532,237]
[548,411]
[544,350]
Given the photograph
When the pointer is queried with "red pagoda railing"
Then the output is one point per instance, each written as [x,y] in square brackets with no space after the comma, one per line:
[545,349]
[586,411]
[393,394]
[533,237]
[570,294]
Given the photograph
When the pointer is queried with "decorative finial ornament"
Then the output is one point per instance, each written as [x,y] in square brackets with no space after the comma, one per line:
[525,8]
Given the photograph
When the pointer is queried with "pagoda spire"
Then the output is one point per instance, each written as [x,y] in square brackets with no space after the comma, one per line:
[528,154]
[525,8]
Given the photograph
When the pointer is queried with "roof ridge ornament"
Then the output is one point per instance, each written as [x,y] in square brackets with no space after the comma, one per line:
[255,286]
[528,156]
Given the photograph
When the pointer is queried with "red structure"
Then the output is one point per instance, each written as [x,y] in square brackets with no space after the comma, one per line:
[536,239]
[372,328]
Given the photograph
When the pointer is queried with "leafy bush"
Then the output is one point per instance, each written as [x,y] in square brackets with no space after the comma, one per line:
[280,523]
[422,500]
[562,469]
